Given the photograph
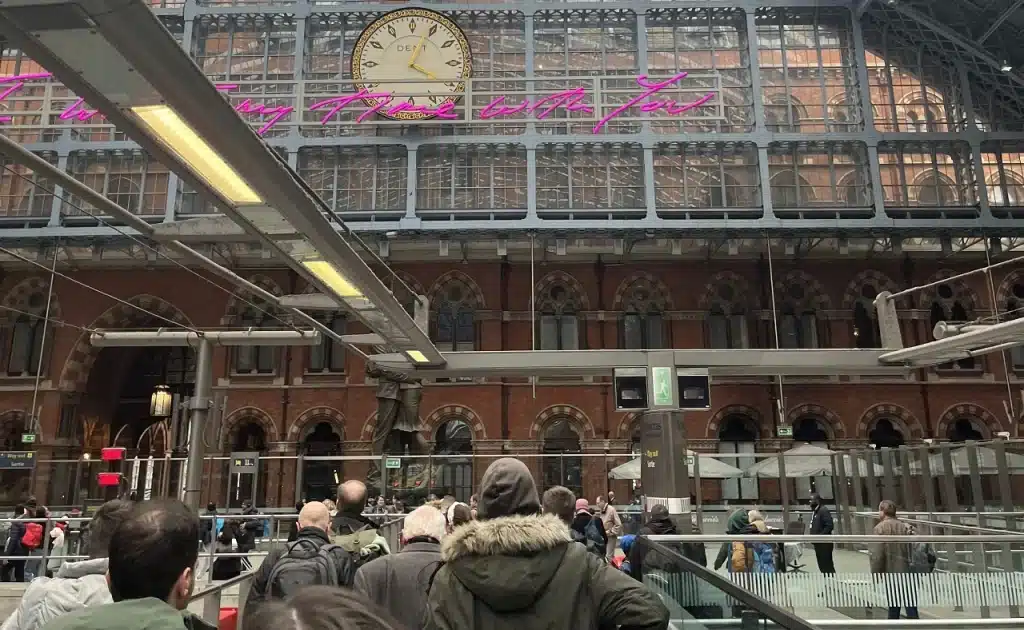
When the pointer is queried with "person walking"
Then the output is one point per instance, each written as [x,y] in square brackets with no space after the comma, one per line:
[612,526]
[822,525]
[891,562]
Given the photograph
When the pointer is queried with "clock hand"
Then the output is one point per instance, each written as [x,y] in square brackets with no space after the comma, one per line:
[416,51]
[430,75]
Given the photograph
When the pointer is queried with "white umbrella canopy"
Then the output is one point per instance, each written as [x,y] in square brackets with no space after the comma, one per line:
[710,468]
[807,460]
[961,463]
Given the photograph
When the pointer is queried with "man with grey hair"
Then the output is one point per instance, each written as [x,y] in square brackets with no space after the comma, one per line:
[400,582]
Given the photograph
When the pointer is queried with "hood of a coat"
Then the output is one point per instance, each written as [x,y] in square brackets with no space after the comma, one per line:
[507,562]
[760,526]
[78,585]
[508,488]
[738,521]
[661,526]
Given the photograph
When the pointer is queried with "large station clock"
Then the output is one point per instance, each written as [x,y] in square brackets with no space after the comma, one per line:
[420,56]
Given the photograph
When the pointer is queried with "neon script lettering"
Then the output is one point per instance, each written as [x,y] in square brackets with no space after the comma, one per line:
[569,101]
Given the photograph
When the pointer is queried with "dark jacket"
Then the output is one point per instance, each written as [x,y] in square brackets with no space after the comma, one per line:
[251,528]
[260,589]
[739,523]
[525,572]
[206,528]
[130,614]
[641,558]
[398,583]
[821,521]
[347,523]
[14,536]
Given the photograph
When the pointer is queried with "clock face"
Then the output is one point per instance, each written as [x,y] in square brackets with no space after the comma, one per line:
[421,57]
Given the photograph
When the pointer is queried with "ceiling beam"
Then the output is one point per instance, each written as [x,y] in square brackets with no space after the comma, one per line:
[1005,15]
[861,8]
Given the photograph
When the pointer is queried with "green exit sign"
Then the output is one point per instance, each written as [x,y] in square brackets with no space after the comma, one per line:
[393,462]
[28,438]
[785,431]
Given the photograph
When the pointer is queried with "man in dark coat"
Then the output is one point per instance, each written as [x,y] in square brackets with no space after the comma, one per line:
[822,525]
[399,582]
[515,568]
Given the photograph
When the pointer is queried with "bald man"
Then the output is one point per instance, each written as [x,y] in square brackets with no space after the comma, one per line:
[351,503]
[308,561]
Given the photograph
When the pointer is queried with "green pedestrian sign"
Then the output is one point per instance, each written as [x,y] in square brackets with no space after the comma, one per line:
[662,378]
[393,462]
[28,438]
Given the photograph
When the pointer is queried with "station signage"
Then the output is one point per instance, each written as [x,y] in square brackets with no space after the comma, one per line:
[17,460]
[648,98]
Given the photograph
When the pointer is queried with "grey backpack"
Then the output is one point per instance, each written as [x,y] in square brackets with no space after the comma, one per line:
[303,564]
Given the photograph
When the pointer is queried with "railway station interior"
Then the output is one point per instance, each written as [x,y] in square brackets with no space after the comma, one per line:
[815,208]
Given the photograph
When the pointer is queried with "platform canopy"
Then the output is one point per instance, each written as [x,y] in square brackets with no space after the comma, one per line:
[710,468]
[807,460]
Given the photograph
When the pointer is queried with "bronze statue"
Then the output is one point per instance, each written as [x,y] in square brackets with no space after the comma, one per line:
[398,412]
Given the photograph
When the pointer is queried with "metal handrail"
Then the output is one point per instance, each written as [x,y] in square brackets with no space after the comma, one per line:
[211,596]
[836,538]
[767,609]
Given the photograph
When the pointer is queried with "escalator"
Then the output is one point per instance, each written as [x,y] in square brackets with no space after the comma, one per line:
[698,597]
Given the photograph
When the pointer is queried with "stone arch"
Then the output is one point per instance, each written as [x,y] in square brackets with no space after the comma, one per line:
[624,430]
[830,418]
[444,413]
[577,419]
[737,410]
[968,410]
[313,416]
[961,292]
[236,419]
[814,293]
[475,298]
[12,423]
[411,281]
[1005,290]
[854,290]
[902,419]
[660,295]
[236,306]
[568,282]
[75,374]
[740,289]
[19,295]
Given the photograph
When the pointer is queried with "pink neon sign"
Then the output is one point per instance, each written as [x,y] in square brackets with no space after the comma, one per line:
[648,100]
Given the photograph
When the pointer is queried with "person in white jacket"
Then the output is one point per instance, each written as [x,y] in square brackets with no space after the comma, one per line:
[57,549]
[77,585]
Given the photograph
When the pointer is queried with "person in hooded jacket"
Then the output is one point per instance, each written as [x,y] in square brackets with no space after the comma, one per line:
[588,529]
[516,568]
[15,567]
[739,523]
[659,524]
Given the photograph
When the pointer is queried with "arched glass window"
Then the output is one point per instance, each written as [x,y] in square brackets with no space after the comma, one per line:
[866,333]
[455,329]
[966,430]
[797,318]
[921,116]
[562,465]
[738,435]
[23,338]
[727,319]
[783,114]
[643,323]
[558,323]
[1005,189]
[320,478]
[790,190]
[935,190]
[951,302]
[249,436]
[256,359]
[453,443]
[813,431]
[885,434]
[329,356]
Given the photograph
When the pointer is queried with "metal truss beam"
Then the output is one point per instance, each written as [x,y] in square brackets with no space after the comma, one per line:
[162,337]
[978,341]
[1005,15]
[720,363]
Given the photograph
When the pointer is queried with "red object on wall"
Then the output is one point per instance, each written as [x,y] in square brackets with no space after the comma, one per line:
[108,479]
[228,619]
[113,454]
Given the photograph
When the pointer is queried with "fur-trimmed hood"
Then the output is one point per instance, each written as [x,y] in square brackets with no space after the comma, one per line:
[507,562]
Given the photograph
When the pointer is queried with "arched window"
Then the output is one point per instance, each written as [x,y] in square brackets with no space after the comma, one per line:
[14,484]
[935,190]
[1014,309]
[320,478]
[558,323]
[23,337]
[453,443]
[853,189]
[329,356]
[249,436]
[455,329]
[1005,189]
[885,434]
[643,324]
[797,318]
[922,115]
[813,431]
[966,429]
[866,333]
[256,359]
[790,190]
[562,465]
[738,435]
[727,318]
[783,114]
[951,302]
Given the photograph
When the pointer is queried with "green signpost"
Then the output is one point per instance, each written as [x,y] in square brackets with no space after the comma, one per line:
[662,377]
[393,462]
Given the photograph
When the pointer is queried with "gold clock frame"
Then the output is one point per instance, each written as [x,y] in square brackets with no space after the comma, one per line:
[355,65]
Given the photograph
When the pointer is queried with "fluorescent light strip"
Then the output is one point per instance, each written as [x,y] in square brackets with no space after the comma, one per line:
[417,356]
[180,138]
[326,273]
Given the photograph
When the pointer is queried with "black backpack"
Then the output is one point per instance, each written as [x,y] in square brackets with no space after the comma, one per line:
[304,564]
[591,540]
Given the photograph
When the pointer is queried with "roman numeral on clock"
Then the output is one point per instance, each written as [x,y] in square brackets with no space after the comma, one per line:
[448,44]
[376,44]
[391,31]
[370,64]
[433,29]
[453,62]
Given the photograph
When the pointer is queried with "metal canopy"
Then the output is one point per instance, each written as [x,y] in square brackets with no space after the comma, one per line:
[146,56]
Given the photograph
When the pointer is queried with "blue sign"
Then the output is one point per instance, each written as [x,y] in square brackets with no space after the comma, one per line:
[15,460]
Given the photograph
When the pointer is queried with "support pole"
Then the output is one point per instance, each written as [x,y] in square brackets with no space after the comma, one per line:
[199,405]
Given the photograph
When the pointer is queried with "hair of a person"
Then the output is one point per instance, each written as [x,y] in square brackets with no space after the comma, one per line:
[211,506]
[151,548]
[560,501]
[601,499]
[321,608]
[888,508]
[352,496]
[459,514]
[755,515]
[425,520]
[103,525]
[40,512]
